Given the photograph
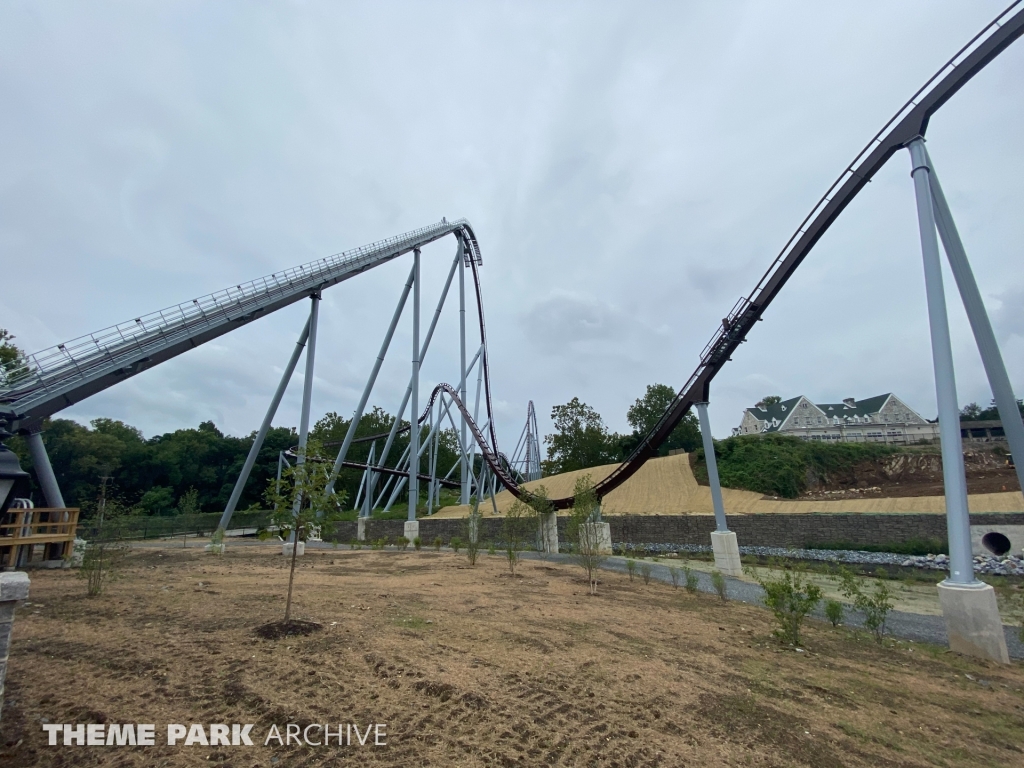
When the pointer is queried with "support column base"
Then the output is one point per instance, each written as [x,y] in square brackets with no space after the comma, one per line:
[286,549]
[412,529]
[360,529]
[727,553]
[972,621]
[548,534]
[600,534]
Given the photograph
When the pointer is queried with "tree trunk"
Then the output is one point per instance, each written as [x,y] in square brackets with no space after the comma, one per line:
[291,577]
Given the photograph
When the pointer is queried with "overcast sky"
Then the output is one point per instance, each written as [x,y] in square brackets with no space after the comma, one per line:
[629,168]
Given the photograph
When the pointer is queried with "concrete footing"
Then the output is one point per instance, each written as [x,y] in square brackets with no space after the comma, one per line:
[972,620]
[727,553]
[360,529]
[286,549]
[548,534]
[601,535]
[13,589]
[412,529]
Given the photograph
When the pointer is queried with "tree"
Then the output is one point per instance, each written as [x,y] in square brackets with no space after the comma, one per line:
[581,439]
[970,412]
[302,504]
[974,412]
[767,400]
[583,532]
[645,412]
[12,357]
[517,528]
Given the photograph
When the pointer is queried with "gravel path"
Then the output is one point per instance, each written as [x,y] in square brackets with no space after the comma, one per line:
[906,626]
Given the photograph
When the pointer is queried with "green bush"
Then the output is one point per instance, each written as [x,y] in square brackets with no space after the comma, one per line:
[645,572]
[790,597]
[417,543]
[631,568]
[690,580]
[437,544]
[403,543]
[834,612]
[718,582]
[874,604]
[455,544]
[782,465]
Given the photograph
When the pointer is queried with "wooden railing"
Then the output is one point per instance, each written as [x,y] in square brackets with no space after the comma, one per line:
[38,526]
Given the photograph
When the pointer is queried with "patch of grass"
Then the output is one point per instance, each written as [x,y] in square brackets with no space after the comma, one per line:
[908,547]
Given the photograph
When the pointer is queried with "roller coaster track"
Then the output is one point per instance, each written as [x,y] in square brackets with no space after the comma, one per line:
[60,376]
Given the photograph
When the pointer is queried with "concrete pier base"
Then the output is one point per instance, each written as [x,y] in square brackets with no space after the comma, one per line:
[286,549]
[360,529]
[600,534]
[412,529]
[727,553]
[13,589]
[972,620]
[548,534]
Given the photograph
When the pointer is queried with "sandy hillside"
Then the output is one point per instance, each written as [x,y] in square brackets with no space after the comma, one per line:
[469,667]
[666,486]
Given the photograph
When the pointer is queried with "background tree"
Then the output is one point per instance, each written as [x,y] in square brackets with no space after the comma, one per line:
[11,357]
[645,412]
[974,412]
[302,504]
[767,400]
[580,440]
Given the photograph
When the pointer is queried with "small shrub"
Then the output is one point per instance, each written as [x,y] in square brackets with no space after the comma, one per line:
[437,544]
[645,572]
[631,568]
[101,563]
[455,544]
[403,543]
[718,582]
[417,543]
[790,597]
[875,605]
[490,548]
[690,580]
[834,612]
[673,571]
[356,544]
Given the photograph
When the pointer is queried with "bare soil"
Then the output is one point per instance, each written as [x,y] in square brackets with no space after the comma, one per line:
[471,667]
[915,474]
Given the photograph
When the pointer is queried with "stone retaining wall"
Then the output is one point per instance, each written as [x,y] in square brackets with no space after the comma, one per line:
[768,530]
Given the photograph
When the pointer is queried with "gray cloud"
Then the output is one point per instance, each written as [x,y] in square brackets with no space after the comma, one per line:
[630,173]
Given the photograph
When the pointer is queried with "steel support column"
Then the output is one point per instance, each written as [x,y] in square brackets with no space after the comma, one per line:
[307,391]
[257,444]
[350,433]
[957,518]
[464,461]
[991,358]
[414,432]
[712,464]
[44,470]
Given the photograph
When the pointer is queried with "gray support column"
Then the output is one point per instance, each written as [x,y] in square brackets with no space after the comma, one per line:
[709,456]
[723,541]
[44,470]
[973,623]
[464,461]
[350,433]
[414,432]
[257,444]
[307,393]
[13,589]
[991,358]
[957,519]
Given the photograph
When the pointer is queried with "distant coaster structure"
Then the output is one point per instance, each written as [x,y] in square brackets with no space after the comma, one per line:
[58,377]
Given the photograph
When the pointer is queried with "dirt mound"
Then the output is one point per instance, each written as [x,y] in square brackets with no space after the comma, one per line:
[275,630]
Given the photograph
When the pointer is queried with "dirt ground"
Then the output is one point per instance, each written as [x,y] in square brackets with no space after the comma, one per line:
[470,667]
